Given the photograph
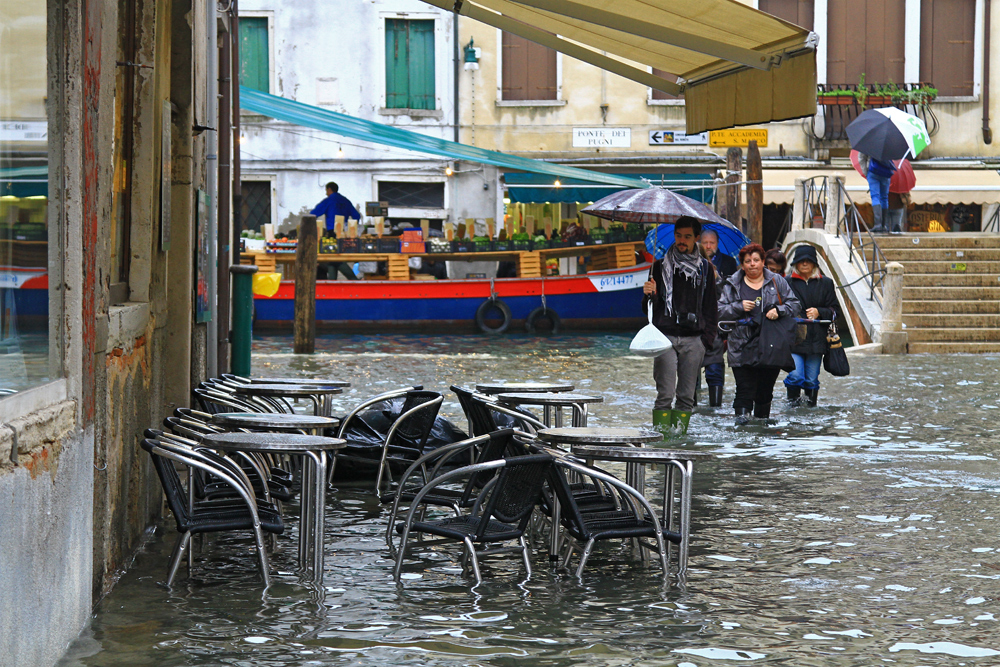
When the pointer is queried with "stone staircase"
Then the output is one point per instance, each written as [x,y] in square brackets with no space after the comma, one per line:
[951,290]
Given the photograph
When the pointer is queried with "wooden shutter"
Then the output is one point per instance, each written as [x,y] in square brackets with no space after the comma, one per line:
[409,64]
[254,53]
[947,46]
[865,37]
[799,12]
[659,94]
[529,70]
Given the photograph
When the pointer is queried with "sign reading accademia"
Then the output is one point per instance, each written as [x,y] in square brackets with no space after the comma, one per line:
[599,137]
[737,138]
[671,137]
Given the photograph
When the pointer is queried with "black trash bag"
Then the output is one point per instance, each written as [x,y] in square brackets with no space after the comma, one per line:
[368,430]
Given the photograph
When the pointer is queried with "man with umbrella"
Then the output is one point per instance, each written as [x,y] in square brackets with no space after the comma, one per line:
[682,290]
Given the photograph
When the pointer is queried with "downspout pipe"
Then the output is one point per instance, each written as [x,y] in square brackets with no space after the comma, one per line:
[212,181]
[225,199]
[987,132]
[237,173]
[458,68]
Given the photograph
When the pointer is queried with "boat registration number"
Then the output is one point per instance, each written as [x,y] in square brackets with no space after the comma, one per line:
[619,282]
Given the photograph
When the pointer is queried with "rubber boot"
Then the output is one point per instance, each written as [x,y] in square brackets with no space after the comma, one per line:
[762,410]
[715,396]
[794,395]
[679,420]
[811,396]
[742,416]
[879,226]
[661,421]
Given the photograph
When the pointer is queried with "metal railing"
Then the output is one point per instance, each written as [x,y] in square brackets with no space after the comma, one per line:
[993,224]
[837,116]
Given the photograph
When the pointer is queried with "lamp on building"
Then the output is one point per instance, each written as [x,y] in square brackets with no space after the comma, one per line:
[340,151]
[472,53]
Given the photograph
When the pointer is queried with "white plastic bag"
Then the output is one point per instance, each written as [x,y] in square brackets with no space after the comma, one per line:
[650,341]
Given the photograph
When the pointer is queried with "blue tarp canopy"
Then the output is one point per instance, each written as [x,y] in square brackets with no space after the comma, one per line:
[527,188]
[307,115]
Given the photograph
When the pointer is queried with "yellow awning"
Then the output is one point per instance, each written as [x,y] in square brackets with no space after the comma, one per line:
[737,65]
[934,186]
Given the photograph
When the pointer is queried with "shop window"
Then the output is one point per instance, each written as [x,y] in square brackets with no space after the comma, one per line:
[947,46]
[24,173]
[659,94]
[411,194]
[409,64]
[529,70]
[256,210]
[255,60]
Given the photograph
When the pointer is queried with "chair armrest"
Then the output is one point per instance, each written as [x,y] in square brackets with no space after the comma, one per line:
[525,419]
[372,401]
[621,486]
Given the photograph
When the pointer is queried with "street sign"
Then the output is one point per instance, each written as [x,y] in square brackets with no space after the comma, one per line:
[738,138]
[672,137]
[598,137]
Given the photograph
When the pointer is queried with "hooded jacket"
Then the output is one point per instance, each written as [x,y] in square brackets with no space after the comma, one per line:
[731,308]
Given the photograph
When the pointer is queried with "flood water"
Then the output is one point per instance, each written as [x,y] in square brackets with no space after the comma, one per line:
[860,532]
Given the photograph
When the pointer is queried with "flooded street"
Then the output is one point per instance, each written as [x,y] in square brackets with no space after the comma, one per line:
[860,532]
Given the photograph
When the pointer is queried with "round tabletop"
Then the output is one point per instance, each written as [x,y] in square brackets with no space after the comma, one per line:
[321,382]
[270,420]
[272,442]
[648,454]
[287,390]
[523,387]
[596,435]
[548,398]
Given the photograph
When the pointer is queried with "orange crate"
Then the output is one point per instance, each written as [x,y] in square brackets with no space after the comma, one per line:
[412,246]
[412,235]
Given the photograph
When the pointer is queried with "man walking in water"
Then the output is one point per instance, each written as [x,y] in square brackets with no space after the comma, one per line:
[336,204]
[681,288]
[715,367]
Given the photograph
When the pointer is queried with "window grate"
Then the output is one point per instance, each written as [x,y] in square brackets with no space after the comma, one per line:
[412,194]
[256,209]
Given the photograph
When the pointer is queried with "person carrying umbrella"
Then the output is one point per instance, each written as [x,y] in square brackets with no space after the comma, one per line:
[879,174]
[681,287]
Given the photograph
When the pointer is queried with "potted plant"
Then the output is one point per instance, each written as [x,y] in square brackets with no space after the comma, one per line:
[837,97]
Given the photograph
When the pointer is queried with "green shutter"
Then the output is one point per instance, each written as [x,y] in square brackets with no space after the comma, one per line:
[254,53]
[409,64]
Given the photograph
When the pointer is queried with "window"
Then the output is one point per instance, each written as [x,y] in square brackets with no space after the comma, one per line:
[255,70]
[799,12]
[529,70]
[411,194]
[24,195]
[256,209]
[865,38]
[409,64]
[947,41]
[659,94]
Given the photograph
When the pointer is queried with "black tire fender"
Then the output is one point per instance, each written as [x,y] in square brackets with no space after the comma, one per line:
[542,313]
[484,309]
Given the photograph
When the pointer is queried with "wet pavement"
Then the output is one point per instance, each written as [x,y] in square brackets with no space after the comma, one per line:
[860,532]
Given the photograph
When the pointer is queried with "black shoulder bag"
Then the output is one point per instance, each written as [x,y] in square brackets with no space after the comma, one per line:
[835,360]
[776,338]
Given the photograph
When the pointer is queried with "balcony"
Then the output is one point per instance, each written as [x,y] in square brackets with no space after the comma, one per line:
[839,104]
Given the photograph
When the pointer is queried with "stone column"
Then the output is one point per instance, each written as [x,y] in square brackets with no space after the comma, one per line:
[894,339]
[834,202]
[799,205]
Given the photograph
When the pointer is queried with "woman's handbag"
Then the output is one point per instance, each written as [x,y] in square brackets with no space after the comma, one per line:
[835,360]
[650,341]
[776,339]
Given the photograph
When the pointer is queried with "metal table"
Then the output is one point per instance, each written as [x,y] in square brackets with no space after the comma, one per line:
[321,382]
[553,404]
[275,421]
[314,450]
[522,387]
[318,394]
[672,460]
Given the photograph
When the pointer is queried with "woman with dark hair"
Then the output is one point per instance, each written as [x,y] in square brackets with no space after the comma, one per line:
[774,260]
[752,294]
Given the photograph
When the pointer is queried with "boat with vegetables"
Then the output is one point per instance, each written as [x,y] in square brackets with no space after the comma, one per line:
[607,296]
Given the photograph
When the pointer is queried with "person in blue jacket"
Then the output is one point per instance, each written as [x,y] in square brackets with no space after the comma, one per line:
[879,174]
[335,204]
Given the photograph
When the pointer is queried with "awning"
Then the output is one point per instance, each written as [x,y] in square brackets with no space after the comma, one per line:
[539,189]
[738,65]
[24,181]
[934,186]
[307,115]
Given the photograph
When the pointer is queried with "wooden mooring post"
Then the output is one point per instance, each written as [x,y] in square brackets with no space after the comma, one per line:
[306,258]
[755,194]
[734,174]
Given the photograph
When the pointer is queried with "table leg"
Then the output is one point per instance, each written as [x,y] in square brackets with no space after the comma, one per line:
[318,514]
[547,415]
[687,477]
[579,414]
[305,510]
[326,409]
[668,504]
[554,533]
[558,415]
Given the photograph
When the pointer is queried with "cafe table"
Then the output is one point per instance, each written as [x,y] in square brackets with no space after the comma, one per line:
[492,388]
[322,382]
[275,421]
[314,451]
[677,463]
[553,404]
[318,394]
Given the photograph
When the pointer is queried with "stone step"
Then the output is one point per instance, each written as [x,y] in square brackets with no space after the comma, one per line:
[918,334]
[942,307]
[905,255]
[952,320]
[946,240]
[953,348]
[952,266]
[946,293]
[951,280]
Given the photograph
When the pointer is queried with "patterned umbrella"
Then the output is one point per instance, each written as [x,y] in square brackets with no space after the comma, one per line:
[650,205]
[902,181]
[888,134]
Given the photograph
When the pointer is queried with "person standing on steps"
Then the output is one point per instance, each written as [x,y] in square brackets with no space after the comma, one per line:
[714,363]
[681,288]
[818,297]
[749,296]
[878,174]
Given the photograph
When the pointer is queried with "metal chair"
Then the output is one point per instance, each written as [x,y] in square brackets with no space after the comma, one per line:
[501,514]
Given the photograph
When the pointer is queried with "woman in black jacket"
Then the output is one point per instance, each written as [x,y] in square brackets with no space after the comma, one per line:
[819,300]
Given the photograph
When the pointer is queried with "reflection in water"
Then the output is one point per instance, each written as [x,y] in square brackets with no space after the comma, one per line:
[856,533]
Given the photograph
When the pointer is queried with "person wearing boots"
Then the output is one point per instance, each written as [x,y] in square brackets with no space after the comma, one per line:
[818,297]
[879,174]
[685,308]
[715,363]
[750,295]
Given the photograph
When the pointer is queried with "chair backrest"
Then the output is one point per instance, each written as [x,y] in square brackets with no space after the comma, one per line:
[516,491]
[417,428]
[171,483]
[214,402]
[480,418]
[569,511]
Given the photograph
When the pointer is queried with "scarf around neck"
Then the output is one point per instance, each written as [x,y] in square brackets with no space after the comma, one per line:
[689,266]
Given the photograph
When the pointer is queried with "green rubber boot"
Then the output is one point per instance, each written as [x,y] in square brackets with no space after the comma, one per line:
[661,421]
[679,420]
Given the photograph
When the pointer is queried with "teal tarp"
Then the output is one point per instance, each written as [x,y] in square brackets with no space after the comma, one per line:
[540,189]
[24,181]
[356,128]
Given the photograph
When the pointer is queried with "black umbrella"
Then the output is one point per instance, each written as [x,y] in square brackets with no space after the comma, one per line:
[888,134]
